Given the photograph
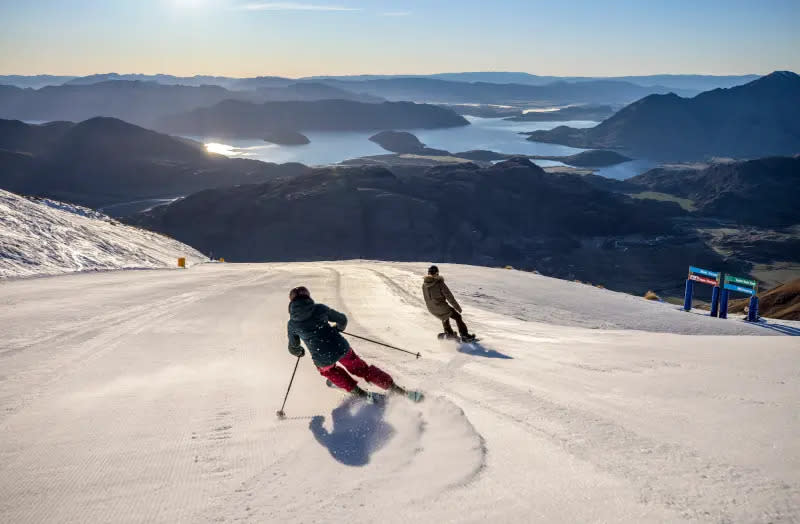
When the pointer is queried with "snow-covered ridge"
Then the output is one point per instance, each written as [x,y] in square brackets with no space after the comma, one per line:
[47,237]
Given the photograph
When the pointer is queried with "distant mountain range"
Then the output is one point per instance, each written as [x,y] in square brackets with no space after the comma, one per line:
[517,89]
[691,82]
[33,81]
[434,90]
[144,103]
[242,119]
[106,161]
[239,84]
[133,101]
[760,118]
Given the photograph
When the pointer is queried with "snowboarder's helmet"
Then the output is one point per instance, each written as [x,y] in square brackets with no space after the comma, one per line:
[299,291]
[433,270]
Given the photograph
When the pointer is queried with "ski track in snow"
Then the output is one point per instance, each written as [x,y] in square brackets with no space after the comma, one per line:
[150,396]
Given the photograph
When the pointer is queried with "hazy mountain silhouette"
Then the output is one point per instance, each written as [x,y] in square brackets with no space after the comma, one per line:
[144,103]
[757,119]
[132,101]
[104,161]
[195,81]
[444,91]
[34,81]
[241,119]
[306,91]
[673,81]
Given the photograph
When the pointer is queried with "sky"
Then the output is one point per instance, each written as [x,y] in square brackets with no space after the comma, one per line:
[326,37]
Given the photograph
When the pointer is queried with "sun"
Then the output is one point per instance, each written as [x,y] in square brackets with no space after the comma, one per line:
[190,3]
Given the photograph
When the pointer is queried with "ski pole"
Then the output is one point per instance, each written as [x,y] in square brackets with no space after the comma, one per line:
[382,344]
[280,412]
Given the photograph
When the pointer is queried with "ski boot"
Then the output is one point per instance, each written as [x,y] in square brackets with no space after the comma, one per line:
[369,396]
[413,396]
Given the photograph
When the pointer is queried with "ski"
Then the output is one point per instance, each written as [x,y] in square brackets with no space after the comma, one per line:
[374,398]
[371,396]
[415,396]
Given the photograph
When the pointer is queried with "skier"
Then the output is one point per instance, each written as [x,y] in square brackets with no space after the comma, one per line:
[310,322]
[443,305]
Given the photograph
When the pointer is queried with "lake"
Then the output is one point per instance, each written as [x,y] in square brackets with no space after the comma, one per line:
[493,134]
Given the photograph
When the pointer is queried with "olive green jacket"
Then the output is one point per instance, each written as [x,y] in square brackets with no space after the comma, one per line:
[438,298]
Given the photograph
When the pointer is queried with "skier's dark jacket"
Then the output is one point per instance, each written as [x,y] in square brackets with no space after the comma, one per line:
[310,323]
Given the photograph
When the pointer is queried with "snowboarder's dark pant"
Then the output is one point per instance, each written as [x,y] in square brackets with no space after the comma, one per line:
[462,328]
[357,367]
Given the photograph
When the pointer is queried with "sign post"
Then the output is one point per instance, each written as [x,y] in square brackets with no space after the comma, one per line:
[687,295]
[715,301]
[723,304]
[704,276]
[743,285]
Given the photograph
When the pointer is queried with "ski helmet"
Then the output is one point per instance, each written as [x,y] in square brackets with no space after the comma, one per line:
[433,270]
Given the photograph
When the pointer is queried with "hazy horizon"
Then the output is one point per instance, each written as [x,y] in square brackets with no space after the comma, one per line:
[399,74]
[245,38]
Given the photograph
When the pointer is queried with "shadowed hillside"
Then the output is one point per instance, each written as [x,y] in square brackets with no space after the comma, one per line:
[104,161]
[242,119]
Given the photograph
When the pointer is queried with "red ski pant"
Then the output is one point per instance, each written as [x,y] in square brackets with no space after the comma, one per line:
[357,367]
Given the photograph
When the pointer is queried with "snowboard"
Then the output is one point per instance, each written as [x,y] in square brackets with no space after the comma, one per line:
[445,336]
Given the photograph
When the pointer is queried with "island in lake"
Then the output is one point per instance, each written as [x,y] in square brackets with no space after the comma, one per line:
[285,137]
[405,143]
[409,150]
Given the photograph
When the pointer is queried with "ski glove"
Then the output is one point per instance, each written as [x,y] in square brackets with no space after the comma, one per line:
[297,351]
[337,318]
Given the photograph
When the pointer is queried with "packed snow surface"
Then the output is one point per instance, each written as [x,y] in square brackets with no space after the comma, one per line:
[41,237]
[150,396]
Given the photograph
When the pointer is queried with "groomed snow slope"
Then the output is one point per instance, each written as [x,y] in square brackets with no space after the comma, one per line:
[151,396]
[45,237]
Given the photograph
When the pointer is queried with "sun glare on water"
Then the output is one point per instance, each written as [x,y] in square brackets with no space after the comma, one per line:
[221,149]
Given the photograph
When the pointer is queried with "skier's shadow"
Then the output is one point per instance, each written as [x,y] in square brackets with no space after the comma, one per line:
[358,431]
[478,350]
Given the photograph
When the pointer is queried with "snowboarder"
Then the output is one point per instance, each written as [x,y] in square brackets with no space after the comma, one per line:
[310,322]
[443,305]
